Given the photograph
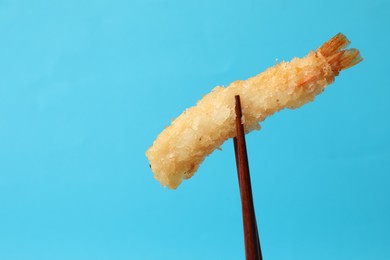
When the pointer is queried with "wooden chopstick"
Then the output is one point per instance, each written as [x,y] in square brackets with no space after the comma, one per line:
[251,234]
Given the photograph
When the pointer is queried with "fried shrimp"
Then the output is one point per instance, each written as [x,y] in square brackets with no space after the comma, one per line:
[179,150]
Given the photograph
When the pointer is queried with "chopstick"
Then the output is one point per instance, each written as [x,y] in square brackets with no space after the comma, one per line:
[251,234]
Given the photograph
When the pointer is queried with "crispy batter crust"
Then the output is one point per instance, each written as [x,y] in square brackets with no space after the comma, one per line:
[179,150]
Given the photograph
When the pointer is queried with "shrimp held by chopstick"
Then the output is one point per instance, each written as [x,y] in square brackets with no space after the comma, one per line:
[178,151]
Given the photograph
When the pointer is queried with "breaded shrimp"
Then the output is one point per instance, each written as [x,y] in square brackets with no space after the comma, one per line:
[179,150]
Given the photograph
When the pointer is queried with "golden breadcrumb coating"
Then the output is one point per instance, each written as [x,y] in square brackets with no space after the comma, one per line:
[178,151]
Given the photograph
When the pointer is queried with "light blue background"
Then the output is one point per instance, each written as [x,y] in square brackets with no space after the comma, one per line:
[86,86]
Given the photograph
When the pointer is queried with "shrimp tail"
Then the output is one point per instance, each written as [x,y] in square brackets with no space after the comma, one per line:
[338,57]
